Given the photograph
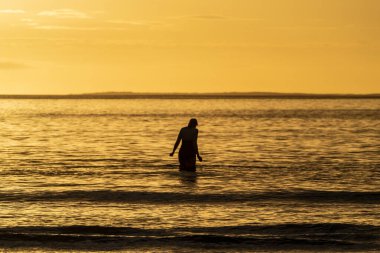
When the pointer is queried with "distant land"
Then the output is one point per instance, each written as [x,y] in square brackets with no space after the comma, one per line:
[225,95]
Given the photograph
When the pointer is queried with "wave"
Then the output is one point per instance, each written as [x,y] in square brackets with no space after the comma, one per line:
[177,197]
[281,236]
[372,231]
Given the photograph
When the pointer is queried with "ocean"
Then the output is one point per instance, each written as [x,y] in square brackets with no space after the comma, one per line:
[283,175]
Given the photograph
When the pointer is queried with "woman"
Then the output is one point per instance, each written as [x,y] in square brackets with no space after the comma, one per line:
[189,147]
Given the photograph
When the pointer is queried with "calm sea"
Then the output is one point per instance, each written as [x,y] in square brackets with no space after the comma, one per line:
[278,174]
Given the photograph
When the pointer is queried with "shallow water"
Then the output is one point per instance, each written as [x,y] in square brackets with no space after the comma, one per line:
[281,174]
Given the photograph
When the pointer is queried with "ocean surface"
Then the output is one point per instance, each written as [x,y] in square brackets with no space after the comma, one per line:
[284,175]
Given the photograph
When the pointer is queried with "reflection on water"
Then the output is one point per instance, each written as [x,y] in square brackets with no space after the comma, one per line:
[188,178]
[267,161]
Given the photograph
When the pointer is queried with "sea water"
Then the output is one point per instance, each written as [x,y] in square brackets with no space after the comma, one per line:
[278,174]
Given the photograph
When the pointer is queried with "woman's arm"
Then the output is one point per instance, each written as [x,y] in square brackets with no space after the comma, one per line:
[196,146]
[176,144]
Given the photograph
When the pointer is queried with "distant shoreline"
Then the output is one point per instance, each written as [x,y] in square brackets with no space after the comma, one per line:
[233,95]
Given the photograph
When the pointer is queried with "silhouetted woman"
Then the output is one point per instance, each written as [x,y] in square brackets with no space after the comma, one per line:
[189,148]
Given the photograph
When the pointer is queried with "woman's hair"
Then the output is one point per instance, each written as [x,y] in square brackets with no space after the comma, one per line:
[193,123]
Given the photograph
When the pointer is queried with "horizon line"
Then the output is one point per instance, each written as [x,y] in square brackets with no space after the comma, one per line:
[123,93]
[188,95]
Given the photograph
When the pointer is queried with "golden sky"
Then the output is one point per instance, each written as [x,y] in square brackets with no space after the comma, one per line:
[77,46]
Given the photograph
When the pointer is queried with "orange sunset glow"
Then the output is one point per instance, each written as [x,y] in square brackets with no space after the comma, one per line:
[71,46]
[197,126]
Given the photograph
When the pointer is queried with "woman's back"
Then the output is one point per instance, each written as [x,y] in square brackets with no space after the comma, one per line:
[189,134]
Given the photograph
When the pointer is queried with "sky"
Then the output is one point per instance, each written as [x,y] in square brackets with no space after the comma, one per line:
[81,46]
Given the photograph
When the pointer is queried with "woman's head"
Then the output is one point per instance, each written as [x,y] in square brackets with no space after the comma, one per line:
[193,123]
